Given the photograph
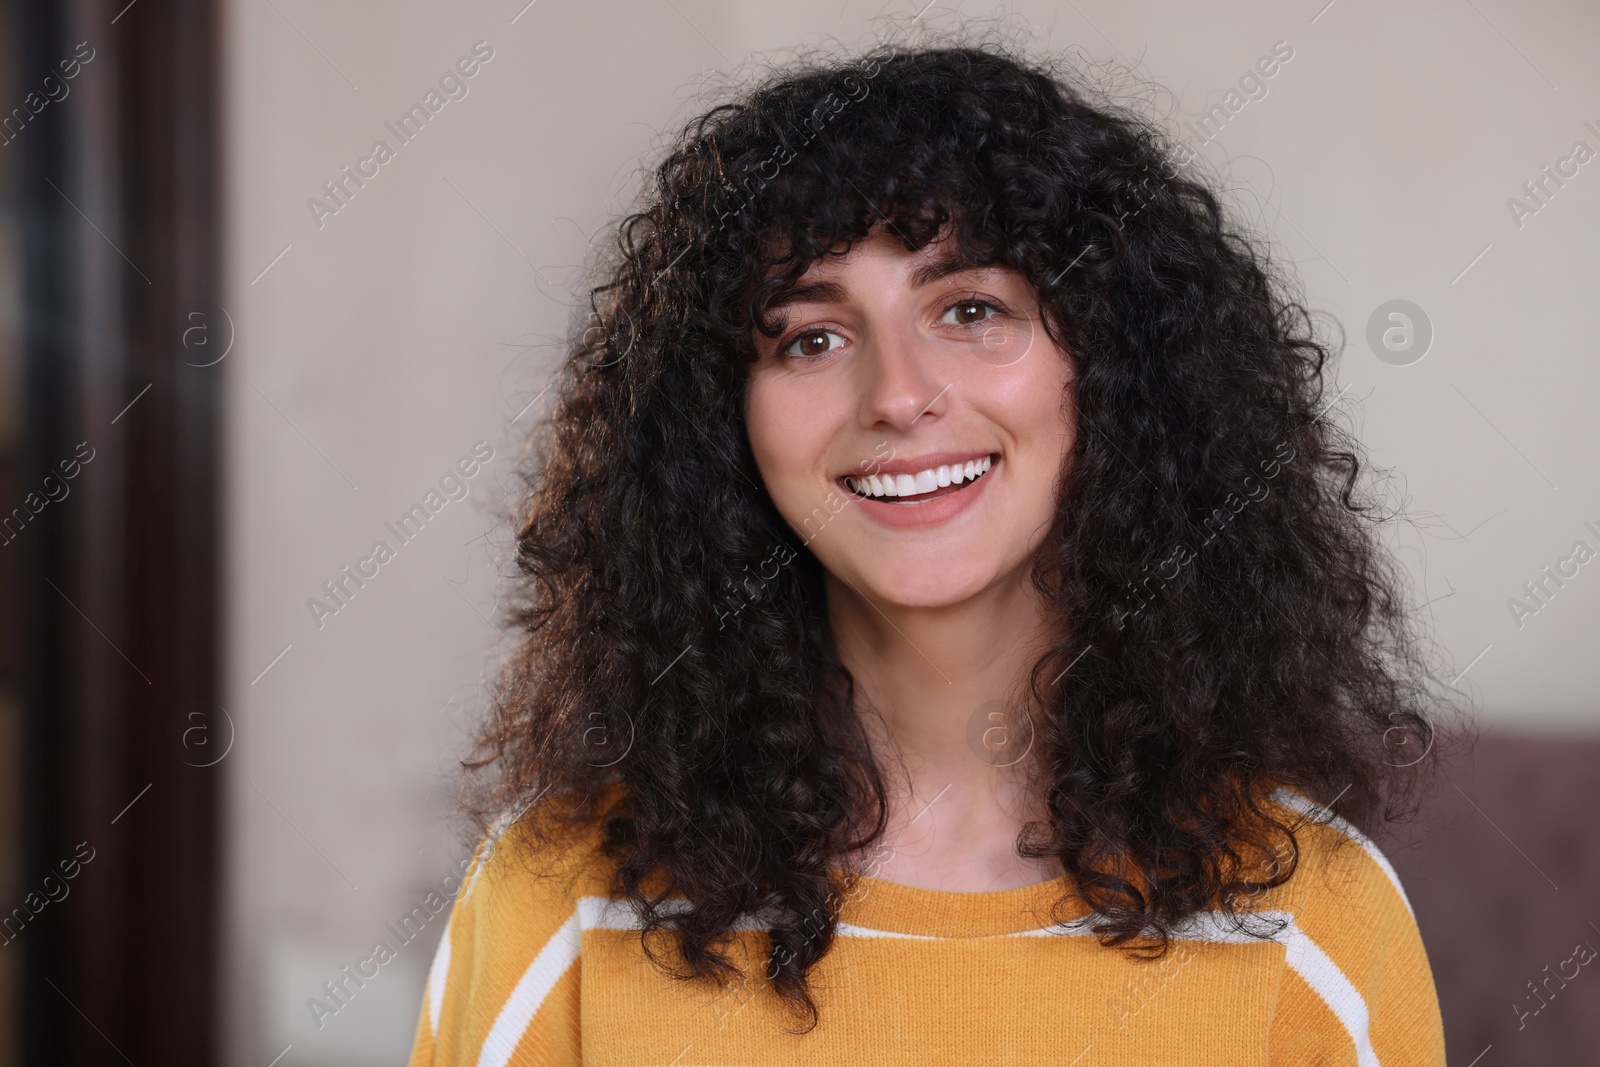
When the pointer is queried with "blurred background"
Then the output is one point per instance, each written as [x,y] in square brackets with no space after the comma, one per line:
[239,346]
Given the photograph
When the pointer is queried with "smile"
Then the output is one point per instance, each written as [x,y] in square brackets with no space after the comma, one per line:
[929,484]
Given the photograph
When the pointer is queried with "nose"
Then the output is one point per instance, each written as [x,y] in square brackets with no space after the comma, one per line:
[898,386]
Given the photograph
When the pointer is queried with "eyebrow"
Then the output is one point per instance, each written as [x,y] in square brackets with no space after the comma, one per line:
[933,270]
[825,292]
[813,292]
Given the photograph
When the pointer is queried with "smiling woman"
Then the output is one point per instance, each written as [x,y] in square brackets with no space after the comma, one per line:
[1014,359]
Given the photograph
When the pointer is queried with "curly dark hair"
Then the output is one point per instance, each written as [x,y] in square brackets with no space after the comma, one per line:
[1232,623]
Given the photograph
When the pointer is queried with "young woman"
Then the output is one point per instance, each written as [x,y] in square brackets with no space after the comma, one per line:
[951,632]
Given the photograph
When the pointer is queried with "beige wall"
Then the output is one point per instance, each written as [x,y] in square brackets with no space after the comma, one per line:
[412,324]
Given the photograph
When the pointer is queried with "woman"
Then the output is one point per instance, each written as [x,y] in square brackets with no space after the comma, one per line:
[950,629]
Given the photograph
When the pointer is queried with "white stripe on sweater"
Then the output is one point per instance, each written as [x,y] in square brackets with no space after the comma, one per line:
[1301,954]
[559,953]
[437,975]
[1307,959]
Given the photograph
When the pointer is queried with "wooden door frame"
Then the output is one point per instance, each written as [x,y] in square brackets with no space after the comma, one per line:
[119,592]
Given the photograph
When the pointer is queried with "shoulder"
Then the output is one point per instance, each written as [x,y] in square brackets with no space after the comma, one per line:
[1336,864]
[536,857]
[503,976]
[1356,972]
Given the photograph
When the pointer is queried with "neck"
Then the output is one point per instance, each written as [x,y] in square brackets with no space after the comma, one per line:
[943,694]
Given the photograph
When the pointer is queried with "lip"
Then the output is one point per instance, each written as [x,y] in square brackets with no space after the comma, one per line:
[932,512]
[927,461]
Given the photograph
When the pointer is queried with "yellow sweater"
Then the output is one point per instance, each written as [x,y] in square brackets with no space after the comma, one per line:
[535,970]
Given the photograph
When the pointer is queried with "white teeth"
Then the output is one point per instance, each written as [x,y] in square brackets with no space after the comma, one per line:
[924,481]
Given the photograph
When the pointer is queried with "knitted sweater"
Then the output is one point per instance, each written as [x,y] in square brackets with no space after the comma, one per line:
[537,970]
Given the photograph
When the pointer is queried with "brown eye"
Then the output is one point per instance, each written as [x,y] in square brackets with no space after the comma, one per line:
[812,343]
[969,312]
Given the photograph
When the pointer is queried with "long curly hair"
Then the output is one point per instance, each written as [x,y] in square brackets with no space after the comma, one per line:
[1232,623]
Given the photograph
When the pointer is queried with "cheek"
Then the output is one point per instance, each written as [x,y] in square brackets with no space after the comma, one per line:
[787,437]
[1033,407]
[1036,408]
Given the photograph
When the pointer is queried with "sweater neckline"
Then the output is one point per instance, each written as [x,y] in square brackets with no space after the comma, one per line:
[890,907]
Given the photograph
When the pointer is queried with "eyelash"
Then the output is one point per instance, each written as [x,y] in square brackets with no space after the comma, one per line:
[994,306]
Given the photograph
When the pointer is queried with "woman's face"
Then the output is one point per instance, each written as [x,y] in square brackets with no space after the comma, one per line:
[911,421]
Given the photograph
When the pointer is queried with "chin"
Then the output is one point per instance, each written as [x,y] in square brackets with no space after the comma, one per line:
[925,582]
